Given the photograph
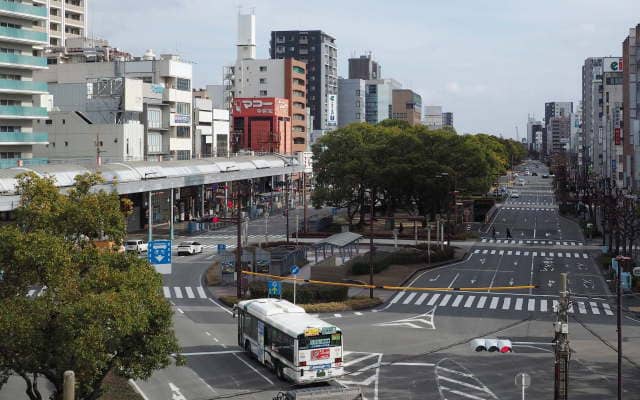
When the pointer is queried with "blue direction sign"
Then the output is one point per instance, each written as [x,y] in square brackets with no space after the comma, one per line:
[159,254]
[275,288]
[295,270]
[221,247]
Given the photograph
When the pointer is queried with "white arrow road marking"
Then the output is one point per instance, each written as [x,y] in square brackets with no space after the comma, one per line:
[434,279]
[175,392]
[551,283]
[414,322]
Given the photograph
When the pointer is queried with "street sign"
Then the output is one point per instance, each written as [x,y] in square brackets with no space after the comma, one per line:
[274,288]
[523,380]
[295,270]
[636,271]
[221,247]
[159,255]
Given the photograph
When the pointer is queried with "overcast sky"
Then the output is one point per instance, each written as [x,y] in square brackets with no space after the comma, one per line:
[489,62]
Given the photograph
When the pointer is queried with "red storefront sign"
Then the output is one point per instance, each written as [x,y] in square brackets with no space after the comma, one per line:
[320,354]
[263,106]
[617,136]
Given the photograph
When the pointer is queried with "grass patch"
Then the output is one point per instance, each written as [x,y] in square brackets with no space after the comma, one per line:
[118,388]
[352,304]
[213,277]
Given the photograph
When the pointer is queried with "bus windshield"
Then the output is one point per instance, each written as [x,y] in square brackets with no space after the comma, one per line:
[315,342]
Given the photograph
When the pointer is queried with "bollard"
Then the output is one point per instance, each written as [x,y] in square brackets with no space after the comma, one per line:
[69,386]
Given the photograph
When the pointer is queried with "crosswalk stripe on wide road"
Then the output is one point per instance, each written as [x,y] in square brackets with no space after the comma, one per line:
[179,292]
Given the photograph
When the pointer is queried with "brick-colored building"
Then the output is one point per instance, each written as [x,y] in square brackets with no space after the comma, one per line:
[407,106]
[262,125]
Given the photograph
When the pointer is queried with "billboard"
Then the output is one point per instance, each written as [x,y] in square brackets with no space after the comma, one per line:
[263,106]
[612,64]
[332,110]
[617,136]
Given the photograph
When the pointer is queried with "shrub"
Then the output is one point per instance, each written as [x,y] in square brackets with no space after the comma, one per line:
[308,293]
[382,260]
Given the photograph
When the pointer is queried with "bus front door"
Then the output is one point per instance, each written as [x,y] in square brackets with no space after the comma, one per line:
[260,341]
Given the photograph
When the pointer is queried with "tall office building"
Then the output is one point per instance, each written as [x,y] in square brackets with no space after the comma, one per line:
[351,101]
[364,67]
[553,109]
[447,119]
[23,37]
[318,50]
[407,106]
[631,104]
[611,111]
[67,19]
[592,113]
[433,117]
[534,133]
[379,99]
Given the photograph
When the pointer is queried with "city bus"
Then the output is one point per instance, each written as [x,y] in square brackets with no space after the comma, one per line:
[293,344]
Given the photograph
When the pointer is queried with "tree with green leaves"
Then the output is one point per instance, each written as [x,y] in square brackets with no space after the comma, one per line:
[99,312]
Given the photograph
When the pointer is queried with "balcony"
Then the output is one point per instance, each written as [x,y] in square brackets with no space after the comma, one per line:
[23,35]
[23,138]
[25,162]
[10,8]
[28,87]
[20,112]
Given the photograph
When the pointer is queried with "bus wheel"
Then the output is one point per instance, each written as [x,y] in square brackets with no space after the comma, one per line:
[280,372]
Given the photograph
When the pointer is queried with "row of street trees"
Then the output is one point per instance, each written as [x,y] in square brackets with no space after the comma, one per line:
[99,312]
[405,167]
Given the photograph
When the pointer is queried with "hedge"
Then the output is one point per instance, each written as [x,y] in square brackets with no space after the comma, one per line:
[382,260]
[308,293]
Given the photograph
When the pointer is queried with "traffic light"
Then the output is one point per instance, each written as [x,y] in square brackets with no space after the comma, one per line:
[491,345]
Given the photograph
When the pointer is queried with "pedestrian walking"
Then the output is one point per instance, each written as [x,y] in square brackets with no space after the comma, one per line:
[508,234]
[400,228]
[493,232]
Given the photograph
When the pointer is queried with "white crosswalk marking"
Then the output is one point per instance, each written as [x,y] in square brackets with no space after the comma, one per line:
[532,305]
[409,298]
[421,299]
[509,252]
[189,292]
[476,251]
[494,303]
[517,253]
[493,252]
[506,303]
[201,292]
[457,301]
[594,307]
[571,308]
[607,308]
[469,301]
[535,254]
[550,254]
[485,251]
[178,292]
[568,255]
[519,304]
[526,253]
[445,300]
[543,305]
[484,240]
[501,252]
[556,304]
[576,255]
[433,299]
[543,254]
[397,298]
[585,255]
[582,308]
[167,292]
[559,254]
[481,302]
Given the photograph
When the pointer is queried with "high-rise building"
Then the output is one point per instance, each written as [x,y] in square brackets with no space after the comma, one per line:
[592,114]
[554,109]
[364,67]
[351,101]
[407,106]
[274,78]
[379,99]
[318,50]
[433,117]
[447,119]
[631,105]
[559,129]
[67,19]
[22,43]
[611,110]
[534,131]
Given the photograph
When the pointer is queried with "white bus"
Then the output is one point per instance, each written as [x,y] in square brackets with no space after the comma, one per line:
[293,344]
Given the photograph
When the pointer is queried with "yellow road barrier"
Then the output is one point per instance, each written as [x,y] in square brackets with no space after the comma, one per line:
[394,288]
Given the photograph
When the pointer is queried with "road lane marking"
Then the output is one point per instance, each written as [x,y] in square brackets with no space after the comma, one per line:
[501,252]
[137,389]
[485,251]
[178,292]
[556,304]
[476,251]
[190,293]
[469,301]
[607,308]
[526,253]
[167,292]
[421,299]
[517,253]
[509,252]
[179,310]
[551,254]
[581,308]
[445,300]
[577,255]
[594,307]
[253,369]
[201,292]
[518,304]
[493,252]
[481,302]
[585,255]
[454,279]
[535,254]
[433,299]
[543,254]
[358,313]
[337,315]
[506,303]
[494,303]
[409,298]
[397,297]
[568,255]
[532,305]
[457,300]
[570,309]
[543,305]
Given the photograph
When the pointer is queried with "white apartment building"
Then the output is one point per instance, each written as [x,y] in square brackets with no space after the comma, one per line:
[67,18]
[210,127]
[166,99]
[23,37]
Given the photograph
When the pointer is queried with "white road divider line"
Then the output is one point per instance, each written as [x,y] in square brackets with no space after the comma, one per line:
[253,369]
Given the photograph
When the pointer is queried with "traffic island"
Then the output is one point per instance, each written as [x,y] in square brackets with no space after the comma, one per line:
[352,304]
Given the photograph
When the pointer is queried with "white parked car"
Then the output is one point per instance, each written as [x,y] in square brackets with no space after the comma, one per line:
[189,248]
[515,195]
[139,246]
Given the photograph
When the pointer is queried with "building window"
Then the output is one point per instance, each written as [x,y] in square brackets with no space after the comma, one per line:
[298,140]
[183,131]
[279,49]
[298,70]
[298,93]
[263,68]
[183,108]
[298,129]
[263,80]
[263,93]
[183,154]
[154,143]
[11,128]
[183,84]
[154,118]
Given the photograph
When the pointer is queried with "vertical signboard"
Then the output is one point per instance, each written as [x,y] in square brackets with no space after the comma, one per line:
[332,110]
[617,136]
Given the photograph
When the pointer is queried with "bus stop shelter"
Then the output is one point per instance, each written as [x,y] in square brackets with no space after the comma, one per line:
[345,243]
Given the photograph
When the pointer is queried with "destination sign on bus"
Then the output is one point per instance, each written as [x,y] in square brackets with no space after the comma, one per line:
[328,330]
[312,331]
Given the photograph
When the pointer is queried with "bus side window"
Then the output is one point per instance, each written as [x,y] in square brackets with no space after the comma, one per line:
[267,336]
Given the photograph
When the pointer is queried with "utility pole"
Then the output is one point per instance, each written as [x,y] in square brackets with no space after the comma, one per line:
[622,262]
[286,206]
[238,251]
[371,247]
[304,202]
[561,340]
